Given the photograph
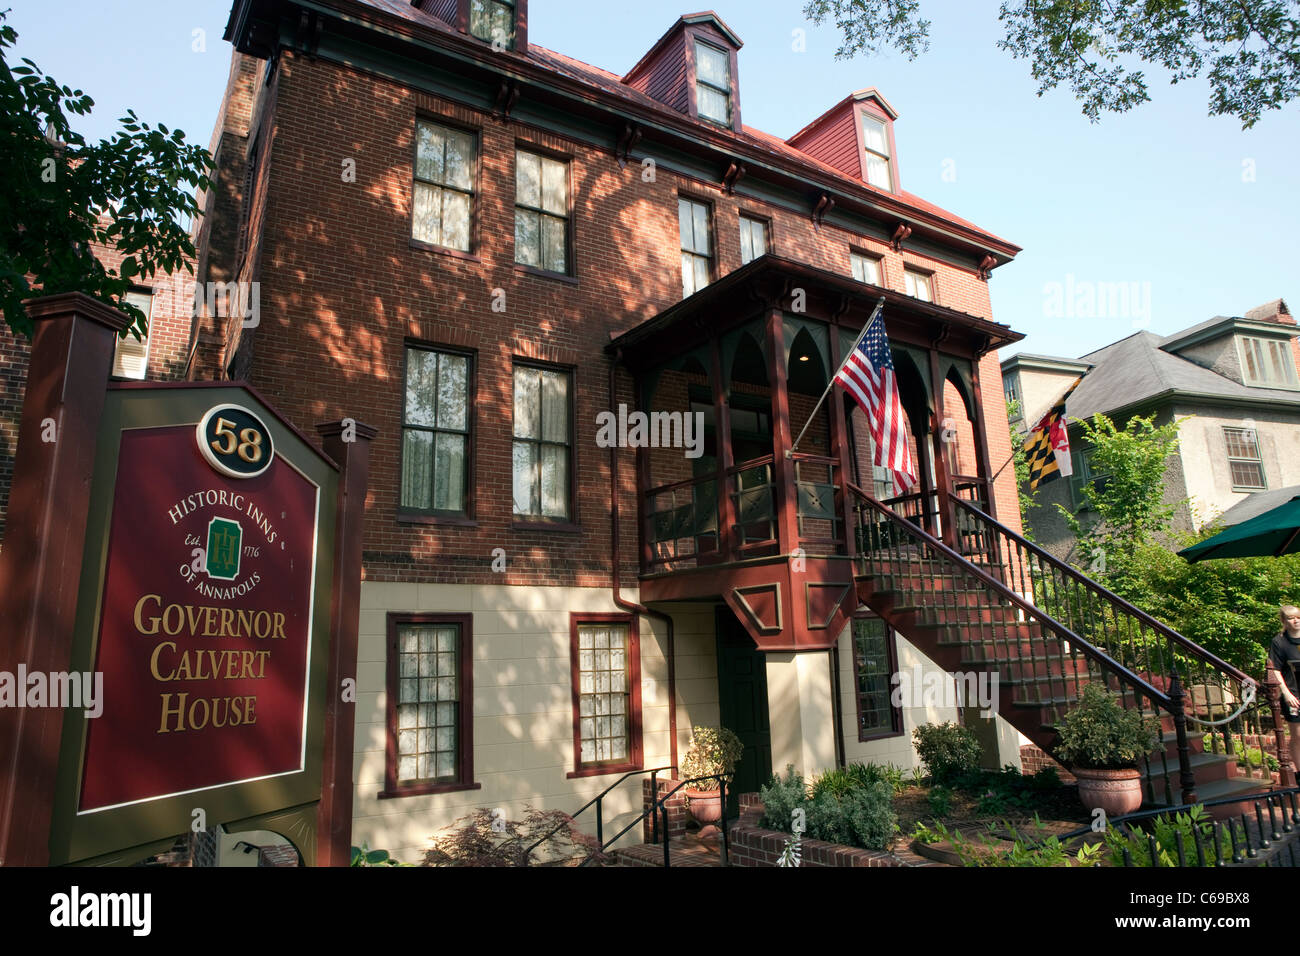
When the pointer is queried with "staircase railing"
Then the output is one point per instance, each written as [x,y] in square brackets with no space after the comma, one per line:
[1045,660]
[659,808]
[1224,704]
[598,801]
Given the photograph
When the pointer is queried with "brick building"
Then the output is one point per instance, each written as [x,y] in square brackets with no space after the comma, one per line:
[479,246]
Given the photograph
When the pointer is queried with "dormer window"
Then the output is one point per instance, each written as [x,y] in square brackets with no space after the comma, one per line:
[1268,363]
[876,155]
[493,21]
[712,83]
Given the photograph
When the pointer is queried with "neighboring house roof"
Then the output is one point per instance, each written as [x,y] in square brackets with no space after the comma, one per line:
[1137,370]
[613,84]
[1256,504]
[1145,367]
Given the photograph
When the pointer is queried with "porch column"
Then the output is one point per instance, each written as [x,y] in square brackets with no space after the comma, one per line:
[785,500]
[722,424]
[801,712]
[981,436]
[840,448]
[942,478]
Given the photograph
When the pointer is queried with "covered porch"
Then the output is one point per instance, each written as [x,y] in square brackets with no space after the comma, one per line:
[742,514]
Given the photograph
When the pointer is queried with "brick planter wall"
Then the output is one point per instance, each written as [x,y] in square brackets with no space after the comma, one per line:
[1033,759]
[752,845]
[678,816]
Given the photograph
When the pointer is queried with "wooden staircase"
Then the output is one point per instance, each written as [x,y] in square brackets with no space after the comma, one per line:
[1001,606]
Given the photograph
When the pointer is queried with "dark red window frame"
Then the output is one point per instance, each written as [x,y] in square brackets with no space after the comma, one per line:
[635,753]
[891,649]
[464,715]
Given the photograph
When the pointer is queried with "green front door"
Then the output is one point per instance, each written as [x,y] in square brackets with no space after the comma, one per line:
[742,704]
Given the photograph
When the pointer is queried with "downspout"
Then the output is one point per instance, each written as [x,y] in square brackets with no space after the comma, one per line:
[670,650]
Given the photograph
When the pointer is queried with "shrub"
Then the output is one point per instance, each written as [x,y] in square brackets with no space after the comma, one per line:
[947,750]
[781,797]
[940,801]
[1099,734]
[713,750]
[853,807]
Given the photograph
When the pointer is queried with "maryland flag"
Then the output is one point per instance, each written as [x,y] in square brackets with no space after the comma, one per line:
[1047,449]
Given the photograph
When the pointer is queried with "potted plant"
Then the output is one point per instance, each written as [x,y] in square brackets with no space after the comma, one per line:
[713,751]
[1102,743]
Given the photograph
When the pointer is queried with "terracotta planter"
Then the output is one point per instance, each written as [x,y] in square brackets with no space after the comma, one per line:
[1116,791]
[705,805]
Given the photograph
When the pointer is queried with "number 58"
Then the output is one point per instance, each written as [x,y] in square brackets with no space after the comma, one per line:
[247,444]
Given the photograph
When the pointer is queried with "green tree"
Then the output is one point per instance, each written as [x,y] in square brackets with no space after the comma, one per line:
[61,193]
[1128,500]
[1248,50]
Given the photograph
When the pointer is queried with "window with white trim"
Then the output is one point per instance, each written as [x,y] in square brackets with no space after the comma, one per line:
[1268,363]
[865,268]
[131,355]
[875,153]
[1244,462]
[919,285]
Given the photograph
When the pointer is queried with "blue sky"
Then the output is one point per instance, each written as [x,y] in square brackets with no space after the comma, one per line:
[1188,216]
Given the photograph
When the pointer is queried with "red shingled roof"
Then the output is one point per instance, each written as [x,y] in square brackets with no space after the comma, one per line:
[612,84]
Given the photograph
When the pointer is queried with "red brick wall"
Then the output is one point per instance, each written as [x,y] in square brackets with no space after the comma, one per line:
[342,288]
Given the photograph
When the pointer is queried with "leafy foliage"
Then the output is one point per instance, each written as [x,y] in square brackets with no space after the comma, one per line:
[852,810]
[485,838]
[62,193]
[1099,734]
[713,750]
[947,750]
[364,856]
[1129,501]
[1170,833]
[1249,52]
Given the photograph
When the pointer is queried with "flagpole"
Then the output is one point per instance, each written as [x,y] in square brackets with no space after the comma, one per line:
[879,305]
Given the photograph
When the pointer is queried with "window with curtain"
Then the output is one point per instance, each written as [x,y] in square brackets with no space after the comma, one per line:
[445,160]
[875,141]
[865,268]
[542,442]
[697,249]
[919,285]
[712,83]
[605,657]
[753,239]
[541,212]
[430,694]
[436,432]
[493,21]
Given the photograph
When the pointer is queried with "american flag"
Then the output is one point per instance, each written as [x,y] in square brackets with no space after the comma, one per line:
[868,375]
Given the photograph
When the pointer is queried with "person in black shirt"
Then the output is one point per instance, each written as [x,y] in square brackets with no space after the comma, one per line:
[1284,654]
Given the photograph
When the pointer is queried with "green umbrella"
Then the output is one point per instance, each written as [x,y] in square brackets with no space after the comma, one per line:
[1272,534]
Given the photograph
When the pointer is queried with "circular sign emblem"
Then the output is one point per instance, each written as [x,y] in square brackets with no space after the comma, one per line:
[235,442]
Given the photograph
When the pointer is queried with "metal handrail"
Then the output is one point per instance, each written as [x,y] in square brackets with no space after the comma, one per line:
[1062,632]
[660,806]
[597,800]
[1114,599]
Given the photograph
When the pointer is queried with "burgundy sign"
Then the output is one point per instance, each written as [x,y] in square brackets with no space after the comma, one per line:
[205,622]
